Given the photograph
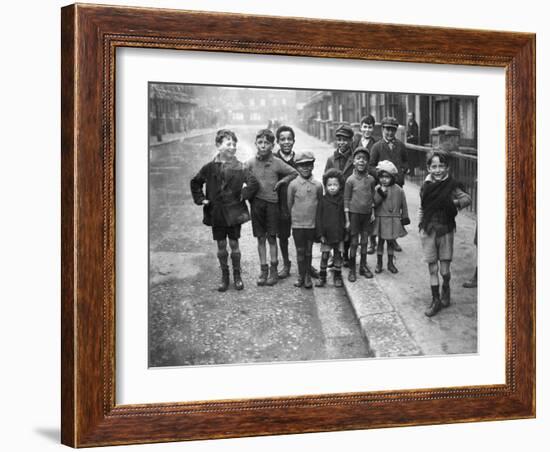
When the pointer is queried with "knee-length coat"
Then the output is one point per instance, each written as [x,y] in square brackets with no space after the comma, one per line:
[391,213]
[227,186]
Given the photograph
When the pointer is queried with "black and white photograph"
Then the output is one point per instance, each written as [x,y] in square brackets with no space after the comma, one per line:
[310,224]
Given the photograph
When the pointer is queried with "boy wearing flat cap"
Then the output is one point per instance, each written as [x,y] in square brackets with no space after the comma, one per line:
[391,149]
[366,139]
[358,203]
[286,139]
[303,196]
[342,160]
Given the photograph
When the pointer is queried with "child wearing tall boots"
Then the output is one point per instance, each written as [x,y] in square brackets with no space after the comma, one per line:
[391,213]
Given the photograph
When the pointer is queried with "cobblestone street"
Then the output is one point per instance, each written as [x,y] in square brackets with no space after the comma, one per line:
[190,322]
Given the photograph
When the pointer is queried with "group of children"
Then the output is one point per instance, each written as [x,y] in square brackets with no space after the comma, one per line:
[355,201]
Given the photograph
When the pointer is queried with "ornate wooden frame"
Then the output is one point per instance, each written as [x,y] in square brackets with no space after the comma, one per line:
[90,36]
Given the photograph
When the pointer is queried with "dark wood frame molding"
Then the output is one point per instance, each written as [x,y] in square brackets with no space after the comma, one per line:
[90,36]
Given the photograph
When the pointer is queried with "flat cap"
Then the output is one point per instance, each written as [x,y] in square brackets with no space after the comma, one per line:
[390,121]
[345,131]
[361,149]
[304,157]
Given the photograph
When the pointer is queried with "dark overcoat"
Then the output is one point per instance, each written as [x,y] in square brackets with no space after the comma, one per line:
[398,156]
[331,220]
[228,184]
[342,162]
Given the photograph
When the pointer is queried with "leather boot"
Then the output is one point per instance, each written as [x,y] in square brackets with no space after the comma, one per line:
[301,274]
[362,263]
[273,275]
[237,280]
[391,267]
[322,279]
[338,278]
[285,271]
[236,262]
[446,291]
[262,279]
[224,282]
[352,275]
[307,277]
[378,268]
[364,268]
[435,306]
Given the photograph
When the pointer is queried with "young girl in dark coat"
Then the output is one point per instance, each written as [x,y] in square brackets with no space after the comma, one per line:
[391,213]
[331,225]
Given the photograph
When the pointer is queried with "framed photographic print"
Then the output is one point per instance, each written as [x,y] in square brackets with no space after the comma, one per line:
[277,225]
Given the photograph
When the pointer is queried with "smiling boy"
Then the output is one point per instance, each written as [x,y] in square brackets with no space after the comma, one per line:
[358,203]
[366,138]
[271,174]
[304,194]
[441,197]
[228,184]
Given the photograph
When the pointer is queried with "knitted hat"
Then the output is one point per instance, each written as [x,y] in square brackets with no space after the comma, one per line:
[385,166]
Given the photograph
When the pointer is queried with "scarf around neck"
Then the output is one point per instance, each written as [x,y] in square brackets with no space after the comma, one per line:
[436,196]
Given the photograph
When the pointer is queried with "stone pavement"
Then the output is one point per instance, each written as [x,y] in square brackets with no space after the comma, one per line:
[390,307]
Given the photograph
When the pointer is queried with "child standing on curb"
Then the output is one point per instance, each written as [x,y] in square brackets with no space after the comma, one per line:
[358,202]
[304,194]
[271,173]
[228,183]
[441,196]
[391,213]
[331,223]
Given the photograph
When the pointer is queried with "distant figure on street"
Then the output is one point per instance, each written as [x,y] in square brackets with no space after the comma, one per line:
[331,226]
[271,173]
[412,129]
[228,184]
[441,196]
[304,194]
[391,213]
